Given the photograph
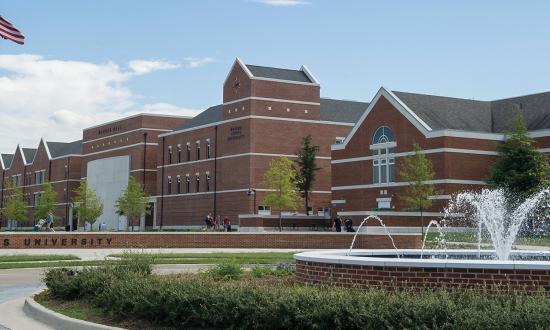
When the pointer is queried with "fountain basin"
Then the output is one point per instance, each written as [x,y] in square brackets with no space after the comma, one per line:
[527,271]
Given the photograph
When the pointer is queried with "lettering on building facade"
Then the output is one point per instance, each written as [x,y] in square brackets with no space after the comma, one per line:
[235,133]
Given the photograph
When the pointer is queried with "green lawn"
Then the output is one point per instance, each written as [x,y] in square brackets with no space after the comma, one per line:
[159,259]
[26,258]
[471,237]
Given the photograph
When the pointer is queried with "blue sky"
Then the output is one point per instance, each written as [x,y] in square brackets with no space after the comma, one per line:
[89,61]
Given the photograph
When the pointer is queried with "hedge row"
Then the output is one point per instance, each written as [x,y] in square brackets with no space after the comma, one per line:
[202,301]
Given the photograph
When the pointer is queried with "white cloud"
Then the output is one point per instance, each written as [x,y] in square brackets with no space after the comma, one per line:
[143,67]
[56,99]
[194,62]
[284,3]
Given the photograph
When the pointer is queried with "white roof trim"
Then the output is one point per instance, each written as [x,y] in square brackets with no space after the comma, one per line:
[22,155]
[2,162]
[45,147]
[310,75]
[398,104]
[242,65]
[134,116]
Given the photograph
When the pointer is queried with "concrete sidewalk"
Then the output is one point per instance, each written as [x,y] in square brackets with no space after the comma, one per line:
[100,254]
[13,317]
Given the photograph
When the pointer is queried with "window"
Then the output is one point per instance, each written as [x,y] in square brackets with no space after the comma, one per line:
[178,185]
[264,210]
[198,147]
[188,152]
[36,198]
[383,163]
[179,153]
[169,185]
[207,176]
[198,182]
[39,177]
[169,154]
[208,148]
[187,180]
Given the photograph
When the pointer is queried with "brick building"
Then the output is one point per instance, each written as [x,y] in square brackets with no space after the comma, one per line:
[459,136]
[210,163]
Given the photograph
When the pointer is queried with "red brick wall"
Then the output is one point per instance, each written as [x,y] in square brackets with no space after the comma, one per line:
[386,277]
[202,240]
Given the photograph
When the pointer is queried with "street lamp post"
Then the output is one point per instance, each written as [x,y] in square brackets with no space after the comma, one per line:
[253,193]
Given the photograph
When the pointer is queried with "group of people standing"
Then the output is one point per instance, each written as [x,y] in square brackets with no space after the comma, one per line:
[217,223]
[348,225]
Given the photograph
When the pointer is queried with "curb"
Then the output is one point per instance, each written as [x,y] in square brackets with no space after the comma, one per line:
[56,320]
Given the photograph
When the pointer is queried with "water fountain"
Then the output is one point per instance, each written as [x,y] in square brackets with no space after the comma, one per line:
[373,217]
[502,267]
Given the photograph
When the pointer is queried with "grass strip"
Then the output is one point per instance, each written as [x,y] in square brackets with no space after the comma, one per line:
[26,257]
[214,255]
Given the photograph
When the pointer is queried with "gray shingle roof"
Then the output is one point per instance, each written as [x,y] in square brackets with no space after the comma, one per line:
[441,112]
[7,159]
[210,115]
[342,110]
[59,149]
[277,73]
[29,154]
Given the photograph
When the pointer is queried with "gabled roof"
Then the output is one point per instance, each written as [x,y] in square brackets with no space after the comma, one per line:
[441,112]
[6,160]
[60,149]
[29,154]
[278,73]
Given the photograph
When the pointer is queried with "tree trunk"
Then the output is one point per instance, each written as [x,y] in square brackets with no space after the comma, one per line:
[307,202]
[280,220]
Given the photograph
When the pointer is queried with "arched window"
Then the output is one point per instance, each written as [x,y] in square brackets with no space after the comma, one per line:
[382,135]
[383,162]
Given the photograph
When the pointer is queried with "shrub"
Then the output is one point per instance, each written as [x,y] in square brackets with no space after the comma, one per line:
[227,269]
[196,301]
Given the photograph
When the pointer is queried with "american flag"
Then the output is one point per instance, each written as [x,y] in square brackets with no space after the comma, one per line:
[8,31]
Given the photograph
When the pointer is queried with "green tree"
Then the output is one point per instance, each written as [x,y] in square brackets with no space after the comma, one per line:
[307,168]
[520,168]
[87,205]
[47,201]
[15,208]
[416,170]
[134,202]
[280,178]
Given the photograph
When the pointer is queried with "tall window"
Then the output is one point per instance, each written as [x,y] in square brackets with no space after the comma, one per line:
[179,153]
[383,162]
[198,182]
[207,176]
[188,152]
[169,185]
[198,147]
[187,180]
[208,148]
[169,154]
[178,185]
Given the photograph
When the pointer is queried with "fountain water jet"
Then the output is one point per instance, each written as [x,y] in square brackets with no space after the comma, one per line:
[371,217]
[441,235]
[490,209]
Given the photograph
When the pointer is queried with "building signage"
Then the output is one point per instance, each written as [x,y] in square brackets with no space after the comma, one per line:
[56,242]
[235,133]
[108,130]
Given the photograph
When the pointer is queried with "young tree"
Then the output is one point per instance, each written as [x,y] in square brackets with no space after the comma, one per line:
[47,201]
[87,205]
[307,168]
[133,202]
[520,168]
[281,178]
[15,208]
[416,170]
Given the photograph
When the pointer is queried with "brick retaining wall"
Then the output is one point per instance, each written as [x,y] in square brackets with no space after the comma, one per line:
[302,240]
[364,277]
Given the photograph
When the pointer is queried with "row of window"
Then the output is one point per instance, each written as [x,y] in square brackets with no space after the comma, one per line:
[235,110]
[187,184]
[108,143]
[39,177]
[179,152]
[33,199]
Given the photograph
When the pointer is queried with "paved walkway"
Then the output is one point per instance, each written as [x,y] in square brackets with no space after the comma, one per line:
[100,254]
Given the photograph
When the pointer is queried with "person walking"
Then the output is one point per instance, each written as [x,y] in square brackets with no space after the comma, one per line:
[49,221]
[208,221]
[218,222]
[337,224]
